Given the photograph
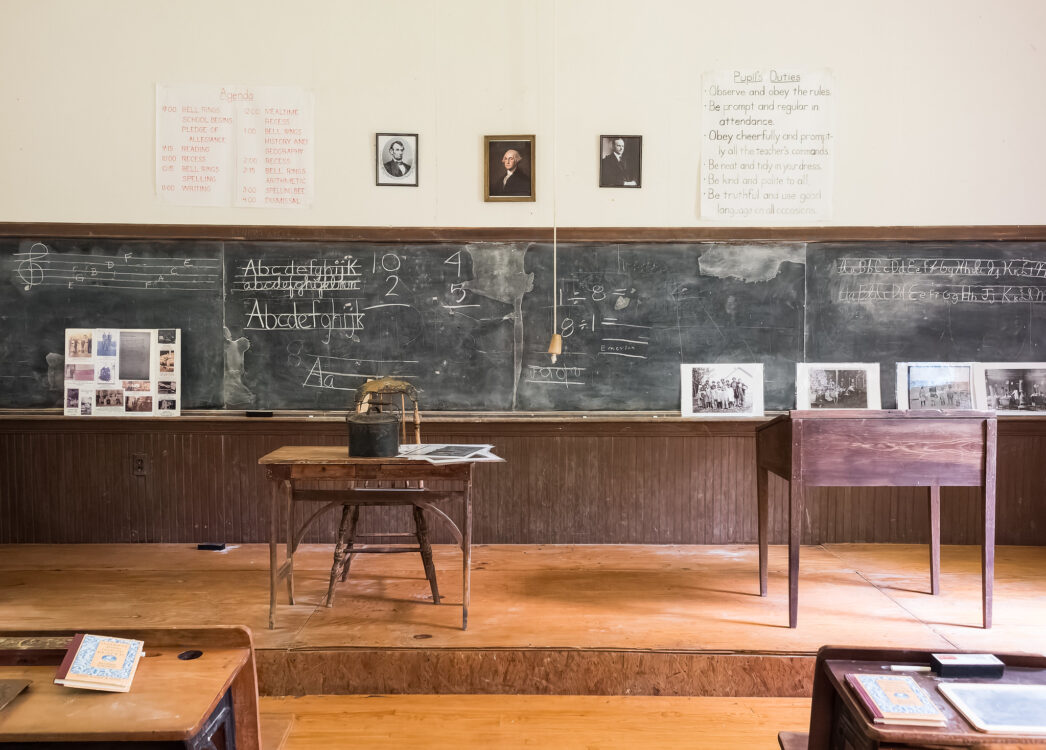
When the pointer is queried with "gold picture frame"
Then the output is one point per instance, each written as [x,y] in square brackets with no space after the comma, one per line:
[508,168]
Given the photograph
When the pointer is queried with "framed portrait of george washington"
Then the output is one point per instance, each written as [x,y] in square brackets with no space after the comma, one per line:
[508,168]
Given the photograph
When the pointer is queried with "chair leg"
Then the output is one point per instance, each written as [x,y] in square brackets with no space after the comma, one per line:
[421,530]
[351,539]
[346,533]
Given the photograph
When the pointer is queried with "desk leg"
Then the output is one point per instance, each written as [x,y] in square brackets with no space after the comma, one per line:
[935,539]
[466,553]
[795,515]
[988,548]
[762,493]
[288,501]
[795,520]
[275,496]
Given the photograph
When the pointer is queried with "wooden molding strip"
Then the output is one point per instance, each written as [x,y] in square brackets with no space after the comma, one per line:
[984,233]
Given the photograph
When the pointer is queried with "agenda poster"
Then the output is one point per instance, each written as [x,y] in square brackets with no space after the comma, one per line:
[243,146]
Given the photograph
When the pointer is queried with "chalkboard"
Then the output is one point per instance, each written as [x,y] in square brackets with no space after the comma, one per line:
[470,324]
[299,325]
[51,285]
[925,302]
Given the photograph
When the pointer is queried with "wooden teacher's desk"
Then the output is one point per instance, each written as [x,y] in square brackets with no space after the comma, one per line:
[866,448]
[326,473]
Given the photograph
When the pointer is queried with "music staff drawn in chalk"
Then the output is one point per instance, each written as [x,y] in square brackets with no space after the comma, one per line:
[39,266]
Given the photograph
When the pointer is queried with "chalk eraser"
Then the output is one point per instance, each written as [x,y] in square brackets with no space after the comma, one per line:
[216,547]
[259,413]
[967,665]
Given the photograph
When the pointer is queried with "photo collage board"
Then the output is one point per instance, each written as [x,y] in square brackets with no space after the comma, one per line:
[123,372]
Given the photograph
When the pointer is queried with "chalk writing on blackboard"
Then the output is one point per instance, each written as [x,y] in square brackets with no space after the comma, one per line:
[854,289]
[40,266]
[856,266]
[553,375]
[297,277]
[343,373]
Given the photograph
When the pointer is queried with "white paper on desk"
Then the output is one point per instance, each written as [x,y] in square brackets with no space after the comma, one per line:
[445,453]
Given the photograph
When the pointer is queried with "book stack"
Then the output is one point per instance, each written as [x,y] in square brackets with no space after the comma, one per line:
[895,699]
[99,662]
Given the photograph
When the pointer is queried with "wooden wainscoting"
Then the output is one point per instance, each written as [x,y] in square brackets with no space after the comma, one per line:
[599,480]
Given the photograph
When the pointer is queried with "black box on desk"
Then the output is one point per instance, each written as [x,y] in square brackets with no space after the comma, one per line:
[966,665]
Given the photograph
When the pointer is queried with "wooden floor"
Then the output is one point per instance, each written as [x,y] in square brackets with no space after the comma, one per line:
[667,629]
[441,722]
[681,598]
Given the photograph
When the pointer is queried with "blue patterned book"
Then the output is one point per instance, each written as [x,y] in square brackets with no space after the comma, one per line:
[99,662]
[895,699]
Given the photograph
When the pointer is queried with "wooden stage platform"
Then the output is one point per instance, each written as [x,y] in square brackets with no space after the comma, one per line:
[596,620]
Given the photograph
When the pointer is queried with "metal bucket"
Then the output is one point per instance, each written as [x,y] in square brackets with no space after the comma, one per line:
[373,434]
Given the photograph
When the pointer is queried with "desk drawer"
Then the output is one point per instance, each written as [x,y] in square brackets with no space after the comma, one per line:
[893,453]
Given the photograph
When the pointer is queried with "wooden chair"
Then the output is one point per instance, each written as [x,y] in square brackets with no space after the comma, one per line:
[413,494]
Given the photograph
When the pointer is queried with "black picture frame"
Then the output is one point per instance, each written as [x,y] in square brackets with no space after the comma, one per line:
[501,185]
[624,170]
[392,153]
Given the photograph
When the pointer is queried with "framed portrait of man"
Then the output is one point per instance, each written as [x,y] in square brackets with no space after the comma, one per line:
[396,159]
[621,161]
[508,168]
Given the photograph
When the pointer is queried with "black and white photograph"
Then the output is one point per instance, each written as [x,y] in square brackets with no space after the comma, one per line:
[167,387]
[137,385]
[167,404]
[934,385]
[721,390]
[396,158]
[166,335]
[139,404]
[85,407]
[508,168]
[134,355]
[1011,387]
[108,398]
[837,385]
[620,161]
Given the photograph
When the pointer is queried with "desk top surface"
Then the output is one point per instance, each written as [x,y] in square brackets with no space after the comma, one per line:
[958,730]
[336,455]
[169,699]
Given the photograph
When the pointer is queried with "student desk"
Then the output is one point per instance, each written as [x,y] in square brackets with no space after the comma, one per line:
[325,473]
[838,720]
[871,448]
[173,702]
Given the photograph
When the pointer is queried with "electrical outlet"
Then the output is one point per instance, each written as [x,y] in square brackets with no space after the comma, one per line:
[139,464]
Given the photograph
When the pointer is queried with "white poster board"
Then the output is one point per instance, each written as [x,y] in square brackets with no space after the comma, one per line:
[767,143]
[123,372]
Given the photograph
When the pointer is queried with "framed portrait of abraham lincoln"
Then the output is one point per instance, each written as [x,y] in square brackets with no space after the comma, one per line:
[396,159]
[508,168]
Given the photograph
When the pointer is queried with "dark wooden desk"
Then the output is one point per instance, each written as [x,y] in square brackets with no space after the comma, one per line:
[173,702]
[862,448]
[837,719]
[312,473]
